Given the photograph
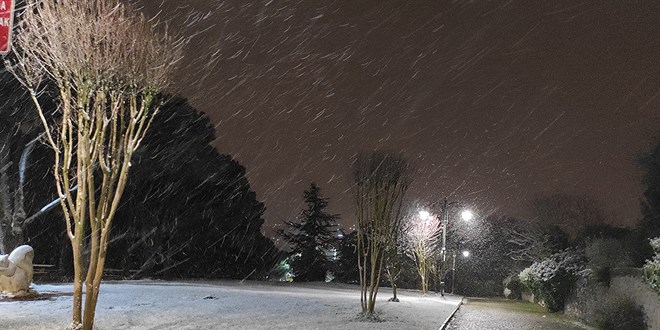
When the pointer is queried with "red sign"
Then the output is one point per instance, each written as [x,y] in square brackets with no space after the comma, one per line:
[6,24]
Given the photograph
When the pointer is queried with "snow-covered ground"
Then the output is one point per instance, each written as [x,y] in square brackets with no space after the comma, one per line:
[228,305]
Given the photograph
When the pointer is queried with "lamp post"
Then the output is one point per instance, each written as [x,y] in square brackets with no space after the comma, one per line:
[453,273]
[465,215]
[465,254]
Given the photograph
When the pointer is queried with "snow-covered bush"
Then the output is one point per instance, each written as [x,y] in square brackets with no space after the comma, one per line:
[621,313]
[512,287]
[634,289]
[652,267]
[586,297]
[552,279]
[628,303]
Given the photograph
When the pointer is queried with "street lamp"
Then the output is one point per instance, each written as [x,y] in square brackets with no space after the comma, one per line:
[466,215]
[466,254]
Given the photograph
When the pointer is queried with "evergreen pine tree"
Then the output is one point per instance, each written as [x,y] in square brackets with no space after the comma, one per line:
[311,238]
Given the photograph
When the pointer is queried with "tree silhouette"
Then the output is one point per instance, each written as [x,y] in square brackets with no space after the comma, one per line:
[311,239]
[192,213]
[650,223]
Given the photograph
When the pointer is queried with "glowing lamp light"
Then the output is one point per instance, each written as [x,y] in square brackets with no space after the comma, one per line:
[424,215]
[466,253]
[467,215]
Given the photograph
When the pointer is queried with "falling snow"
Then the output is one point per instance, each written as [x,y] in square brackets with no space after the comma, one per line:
[494,101]
[497,104]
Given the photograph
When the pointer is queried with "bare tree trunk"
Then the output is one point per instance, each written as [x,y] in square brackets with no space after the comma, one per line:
[362,271]
[392,275]
[77,283]
[394,296]
[372,283]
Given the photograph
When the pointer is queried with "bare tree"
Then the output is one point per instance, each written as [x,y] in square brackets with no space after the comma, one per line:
[571,213]
[393,264]
[421,238]
[380,182]
[528,241]
[552,221]
[109,66]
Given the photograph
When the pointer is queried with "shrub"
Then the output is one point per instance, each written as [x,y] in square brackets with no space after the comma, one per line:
[652,266]
[603,275]
[605,254]
[629,303]
[585,299]
[513,287]
[552,279]
[622,314]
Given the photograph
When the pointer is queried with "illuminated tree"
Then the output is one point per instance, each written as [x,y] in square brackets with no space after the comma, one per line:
[421,237]
[380,182]
[108,66]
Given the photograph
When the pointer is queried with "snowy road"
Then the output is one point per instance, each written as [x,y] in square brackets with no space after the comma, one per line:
[228,305]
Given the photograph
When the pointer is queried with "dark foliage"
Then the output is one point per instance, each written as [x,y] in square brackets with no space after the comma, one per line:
[624,315]
[512,282]
[651,181]
[187,212]
[650,223]
[346,266]
[19,130]
[603,276]
[555,291]
[312,238]
[558,239]
[603,231]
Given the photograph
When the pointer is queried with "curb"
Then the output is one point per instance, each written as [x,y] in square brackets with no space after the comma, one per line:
[446,323]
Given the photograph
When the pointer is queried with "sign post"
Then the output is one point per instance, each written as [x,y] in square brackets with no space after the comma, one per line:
[6,25]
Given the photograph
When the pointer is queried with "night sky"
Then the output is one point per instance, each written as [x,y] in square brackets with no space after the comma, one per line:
[493,101]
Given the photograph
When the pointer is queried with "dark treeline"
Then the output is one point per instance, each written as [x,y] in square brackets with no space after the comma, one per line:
[188,211]
[502,246]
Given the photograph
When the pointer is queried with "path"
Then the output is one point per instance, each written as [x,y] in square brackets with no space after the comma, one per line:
[491,314]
